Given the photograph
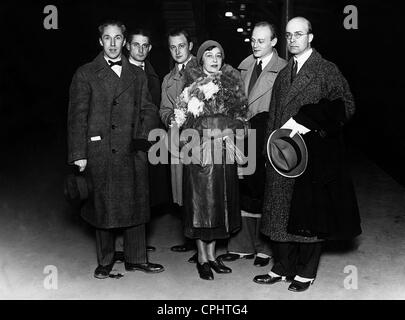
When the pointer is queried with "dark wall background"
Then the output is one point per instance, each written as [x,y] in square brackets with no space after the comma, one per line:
[37,64]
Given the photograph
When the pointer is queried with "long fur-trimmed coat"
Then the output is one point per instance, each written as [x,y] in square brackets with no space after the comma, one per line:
[317,79]
[116,110]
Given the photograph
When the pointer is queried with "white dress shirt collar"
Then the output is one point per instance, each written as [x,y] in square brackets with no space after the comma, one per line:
[265,60]
[137,63]
[116,68]
[302,58]
[180,65]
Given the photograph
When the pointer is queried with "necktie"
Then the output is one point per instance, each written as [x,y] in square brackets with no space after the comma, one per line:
[259,68]
[294,70]
[255,74]
[182,70]
[112,63]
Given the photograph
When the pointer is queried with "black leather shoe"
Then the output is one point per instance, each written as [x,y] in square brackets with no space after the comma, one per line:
[204,271]
[234,256]
[298,286]
[103,272]
[194,258]
[268,279]
[150,248]
[119,256]
[261,262]
[147,267]
[219,267]
[182,248]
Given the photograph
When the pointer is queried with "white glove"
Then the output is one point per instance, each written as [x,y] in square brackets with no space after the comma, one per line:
[295,127]
[82,163]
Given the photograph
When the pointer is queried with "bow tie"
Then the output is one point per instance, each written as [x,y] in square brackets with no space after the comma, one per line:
[112,63]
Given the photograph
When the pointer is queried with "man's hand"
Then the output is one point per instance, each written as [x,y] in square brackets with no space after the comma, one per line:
[82,163]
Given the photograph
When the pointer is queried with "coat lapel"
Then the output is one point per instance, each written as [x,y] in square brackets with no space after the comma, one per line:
[127,77]
[106,76]
[303,78]
[265,82]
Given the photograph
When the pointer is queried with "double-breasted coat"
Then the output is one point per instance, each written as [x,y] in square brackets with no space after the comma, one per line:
[106,113]
[172,86]
[317,79]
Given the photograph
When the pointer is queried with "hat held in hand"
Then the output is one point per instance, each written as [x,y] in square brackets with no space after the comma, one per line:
[288,155]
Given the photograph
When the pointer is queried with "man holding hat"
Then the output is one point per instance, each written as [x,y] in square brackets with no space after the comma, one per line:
[309,196]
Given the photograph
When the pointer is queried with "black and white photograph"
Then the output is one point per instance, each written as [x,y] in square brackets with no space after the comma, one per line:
[201,154]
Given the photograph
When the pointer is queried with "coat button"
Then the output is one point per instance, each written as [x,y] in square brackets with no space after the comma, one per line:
[115,102]
[114,151]
[132,125]
[113,126]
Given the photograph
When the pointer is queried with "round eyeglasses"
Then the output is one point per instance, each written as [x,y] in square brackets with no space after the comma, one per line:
[295,35]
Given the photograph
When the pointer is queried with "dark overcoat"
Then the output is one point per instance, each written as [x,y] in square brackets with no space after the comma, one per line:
[105,113]
[159,174]
[211,191]
[317,79]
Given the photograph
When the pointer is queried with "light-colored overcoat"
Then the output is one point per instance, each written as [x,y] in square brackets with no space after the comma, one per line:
[172,86]
[260,95]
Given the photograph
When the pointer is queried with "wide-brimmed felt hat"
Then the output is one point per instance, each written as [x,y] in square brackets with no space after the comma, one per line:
[288,155]
[77,188]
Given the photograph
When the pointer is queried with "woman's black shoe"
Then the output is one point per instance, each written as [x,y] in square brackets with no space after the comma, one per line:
[204,271]
[219,267]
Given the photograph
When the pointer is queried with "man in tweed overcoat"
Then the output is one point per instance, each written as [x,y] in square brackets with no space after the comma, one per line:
[109,119]
[306,80]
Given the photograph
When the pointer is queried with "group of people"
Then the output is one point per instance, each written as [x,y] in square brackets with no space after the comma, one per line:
[116,101]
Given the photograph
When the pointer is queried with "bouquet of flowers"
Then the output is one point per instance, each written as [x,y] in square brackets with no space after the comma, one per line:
[219,93]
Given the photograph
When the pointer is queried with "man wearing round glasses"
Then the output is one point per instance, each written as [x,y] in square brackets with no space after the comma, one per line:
[299,213]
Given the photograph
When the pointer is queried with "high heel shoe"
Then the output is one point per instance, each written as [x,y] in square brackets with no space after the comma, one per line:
[219,267]
[204,271]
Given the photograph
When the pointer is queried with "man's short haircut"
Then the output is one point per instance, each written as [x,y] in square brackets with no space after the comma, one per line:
[178,32]
[107,23]
[139,31]
[271,26]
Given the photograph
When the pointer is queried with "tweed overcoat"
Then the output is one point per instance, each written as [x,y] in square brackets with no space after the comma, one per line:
[106,113]
[172,86]
[317,79]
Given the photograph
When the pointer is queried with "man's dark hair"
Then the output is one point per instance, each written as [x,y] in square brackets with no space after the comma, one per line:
[178,32]
[271,26]
[107,23]
[139,31]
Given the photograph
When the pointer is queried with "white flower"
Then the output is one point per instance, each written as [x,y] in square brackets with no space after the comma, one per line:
[209,89]
[185,95]
[179,117]
[195,106]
